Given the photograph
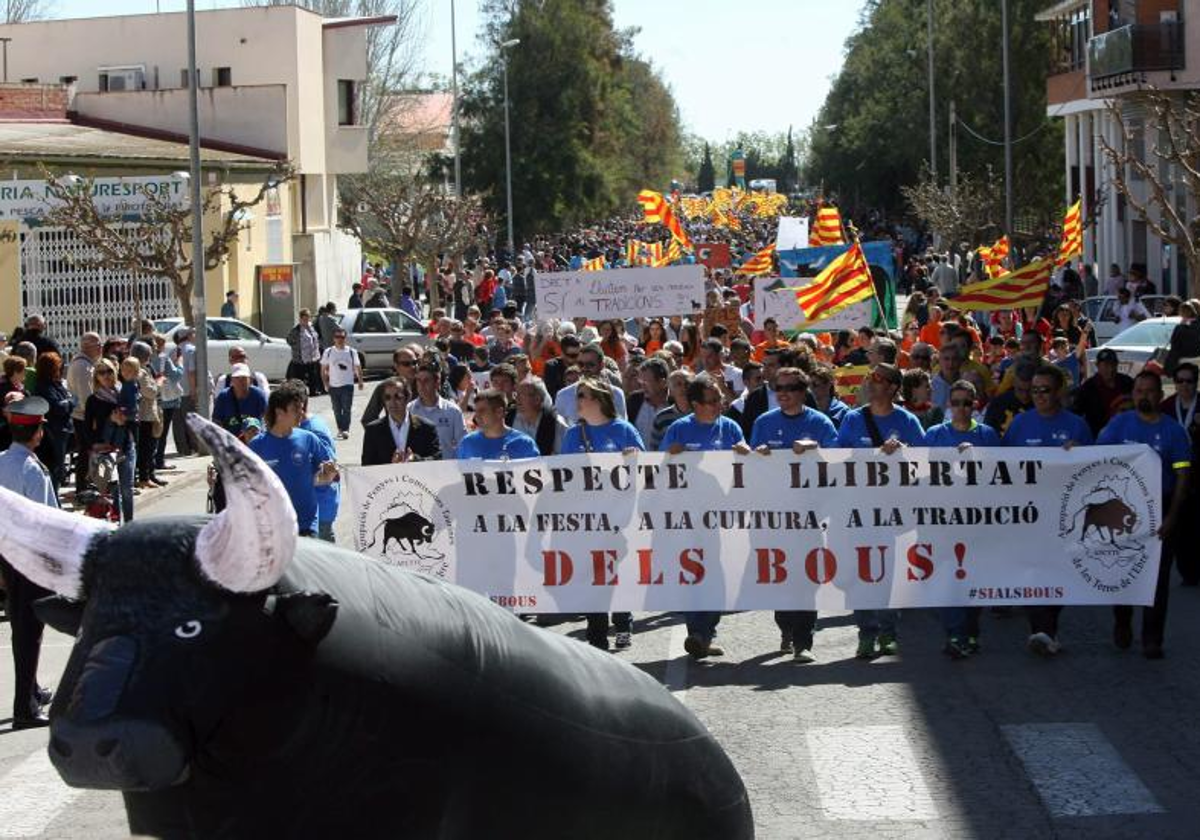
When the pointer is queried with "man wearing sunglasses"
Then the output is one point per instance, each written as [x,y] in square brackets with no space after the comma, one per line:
[555,369]
[404,366]
[885,426]
[1048,424]
[796,427]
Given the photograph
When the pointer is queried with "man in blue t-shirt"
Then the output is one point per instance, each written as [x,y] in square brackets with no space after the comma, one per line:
[1166,436]
[239,400]
[961,431]
[495,440]
[705,429]
[792,426]
[298,457]
[1048,424]
[882,425]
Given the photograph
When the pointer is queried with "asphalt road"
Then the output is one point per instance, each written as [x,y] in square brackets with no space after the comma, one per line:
[1095,744]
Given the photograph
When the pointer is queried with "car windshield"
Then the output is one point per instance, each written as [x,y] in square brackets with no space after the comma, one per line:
[1145,334]
[401,321]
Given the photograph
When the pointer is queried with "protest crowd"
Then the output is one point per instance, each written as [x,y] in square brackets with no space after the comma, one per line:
[495,381]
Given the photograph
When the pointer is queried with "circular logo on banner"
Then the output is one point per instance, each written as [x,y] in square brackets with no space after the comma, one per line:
[1108,521]
[403,523]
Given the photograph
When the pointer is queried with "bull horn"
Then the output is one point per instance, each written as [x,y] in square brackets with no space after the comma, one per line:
[45,544]
[246,546]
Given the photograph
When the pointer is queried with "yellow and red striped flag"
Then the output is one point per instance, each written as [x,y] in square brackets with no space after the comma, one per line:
[826,228]
[848,380]
[994,257]
[1024,287]
[674,252]
[597,264]
[844,282]
[656,209]
[760,263]
[1072,234]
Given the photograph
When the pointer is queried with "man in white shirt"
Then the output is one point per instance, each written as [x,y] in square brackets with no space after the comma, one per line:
[444,415]
[1129,311]
[591,363]
[340,370]
[653,397]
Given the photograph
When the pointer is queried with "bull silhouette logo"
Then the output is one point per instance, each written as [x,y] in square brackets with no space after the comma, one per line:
[1105,524]
[405,535]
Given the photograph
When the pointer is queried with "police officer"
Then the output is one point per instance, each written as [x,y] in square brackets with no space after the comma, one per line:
[22,472]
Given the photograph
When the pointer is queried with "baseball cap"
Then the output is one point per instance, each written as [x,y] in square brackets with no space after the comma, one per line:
[240,369]
[1107,355]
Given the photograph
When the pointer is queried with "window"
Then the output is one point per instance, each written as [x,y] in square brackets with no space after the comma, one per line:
[103,84]
[347,102]
[236,331]
[403,322]
[183,78]
[222,77]
[371,322]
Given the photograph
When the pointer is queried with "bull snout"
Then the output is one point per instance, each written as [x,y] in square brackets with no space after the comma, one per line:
[93,745]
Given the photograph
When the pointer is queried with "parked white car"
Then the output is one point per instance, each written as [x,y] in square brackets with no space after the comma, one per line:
[376,333]
[1102,311]
[265,354]
[1144,342]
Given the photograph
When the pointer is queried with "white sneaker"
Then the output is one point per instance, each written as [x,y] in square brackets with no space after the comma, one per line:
[1043,644]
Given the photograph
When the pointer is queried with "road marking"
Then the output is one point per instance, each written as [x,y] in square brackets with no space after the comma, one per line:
[677,667]
[868,773]
[34,795]
[1077,771]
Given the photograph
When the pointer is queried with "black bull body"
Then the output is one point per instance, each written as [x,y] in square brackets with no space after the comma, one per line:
[354,699]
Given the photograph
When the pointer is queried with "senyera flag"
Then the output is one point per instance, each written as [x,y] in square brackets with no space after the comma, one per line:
[1072,234]
[993,258]
[760,263]
[827,228]
[844,282]
[1025,286]
[655,208]
[597,264]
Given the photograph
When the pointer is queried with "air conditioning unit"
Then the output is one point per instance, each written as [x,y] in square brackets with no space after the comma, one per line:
[125,77]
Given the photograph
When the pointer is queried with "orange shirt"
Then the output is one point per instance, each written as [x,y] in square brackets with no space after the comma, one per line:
[761,349]
[931,334]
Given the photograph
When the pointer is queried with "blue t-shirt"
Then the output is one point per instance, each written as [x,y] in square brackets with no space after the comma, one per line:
[295,459]
[900,424]
[614,436]
[227,407]
[1032,429]
[836,412]
[702,437]
[513,445]
[778,430]
[944,434]
[329,496]
[1166,437]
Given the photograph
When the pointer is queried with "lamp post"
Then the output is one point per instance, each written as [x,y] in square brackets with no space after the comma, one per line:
[201,394]
[508,146]
[454,105]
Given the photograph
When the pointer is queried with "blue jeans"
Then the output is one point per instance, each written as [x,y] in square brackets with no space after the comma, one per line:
[960,622]
[702,625]
[341,398]
[875,623]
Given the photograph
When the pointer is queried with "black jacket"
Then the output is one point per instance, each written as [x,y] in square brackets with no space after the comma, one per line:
[1185,344]
[379,446]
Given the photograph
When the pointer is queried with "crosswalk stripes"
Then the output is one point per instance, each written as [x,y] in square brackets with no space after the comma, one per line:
[33,796]
[868,773]
[1077,771]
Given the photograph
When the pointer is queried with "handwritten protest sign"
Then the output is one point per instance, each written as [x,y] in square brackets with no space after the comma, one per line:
[621,293]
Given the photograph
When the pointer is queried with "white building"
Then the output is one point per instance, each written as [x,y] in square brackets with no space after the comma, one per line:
[1106,51]
[277,82]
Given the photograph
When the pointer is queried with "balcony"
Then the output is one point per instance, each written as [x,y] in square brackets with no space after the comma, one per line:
[1116,58]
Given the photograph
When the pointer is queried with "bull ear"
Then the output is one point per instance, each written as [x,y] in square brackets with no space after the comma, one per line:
[246,547]
[309,614]
[63,614]
[46,544]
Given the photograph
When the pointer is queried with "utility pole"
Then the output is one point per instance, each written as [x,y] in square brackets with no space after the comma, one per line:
[952,139]
[1008,160]
[933,166]
[507,146]
[454,106]
[197,219]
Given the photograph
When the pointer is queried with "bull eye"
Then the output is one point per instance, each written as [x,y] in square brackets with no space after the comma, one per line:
[188,630]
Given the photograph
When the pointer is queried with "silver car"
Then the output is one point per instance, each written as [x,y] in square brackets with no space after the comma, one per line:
[265,354]
[376,333]
[1146,341]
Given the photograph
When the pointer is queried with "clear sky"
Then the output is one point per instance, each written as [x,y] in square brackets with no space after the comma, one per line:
[773,70]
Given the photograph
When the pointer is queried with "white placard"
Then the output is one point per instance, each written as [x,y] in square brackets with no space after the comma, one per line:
[834,529]
[793,233]
[781,305]
[621,293]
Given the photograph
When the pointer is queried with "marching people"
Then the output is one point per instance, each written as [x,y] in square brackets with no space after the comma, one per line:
[493,439]
[404,366]
[600,430]
[329,495]
[443,414]
[340,372]
[535,416]
[792,425]
[1182,406]
[239,400]
[399,436]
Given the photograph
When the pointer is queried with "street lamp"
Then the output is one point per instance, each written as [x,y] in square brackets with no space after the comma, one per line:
[507,145]
[201,395]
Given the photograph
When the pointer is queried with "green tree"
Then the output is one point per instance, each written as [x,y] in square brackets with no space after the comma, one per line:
[706,176]
[872,134]
[592,123]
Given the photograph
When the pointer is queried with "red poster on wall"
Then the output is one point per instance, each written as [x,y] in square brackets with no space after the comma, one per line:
[713,254]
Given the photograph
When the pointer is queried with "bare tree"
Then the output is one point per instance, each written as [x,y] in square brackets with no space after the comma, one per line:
[391,51]
[969,215]
[19,11]
[1161,152]
[159,242]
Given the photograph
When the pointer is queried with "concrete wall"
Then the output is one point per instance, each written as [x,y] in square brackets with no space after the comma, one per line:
[345,57]
[254,116]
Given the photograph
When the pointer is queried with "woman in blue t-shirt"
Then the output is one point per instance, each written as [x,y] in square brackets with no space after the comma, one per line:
[600,430]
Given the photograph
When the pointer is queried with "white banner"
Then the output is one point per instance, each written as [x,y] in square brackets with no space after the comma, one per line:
[772,299]
[792,233]
[112,196]
[621,293]
[830,530]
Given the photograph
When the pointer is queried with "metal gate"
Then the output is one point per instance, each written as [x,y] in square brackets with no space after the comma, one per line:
[56,282]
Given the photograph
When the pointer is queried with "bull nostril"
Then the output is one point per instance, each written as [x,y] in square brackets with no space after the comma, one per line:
[61,747]
[105,747]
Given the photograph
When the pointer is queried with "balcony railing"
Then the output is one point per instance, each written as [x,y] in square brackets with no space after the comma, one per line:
[1136,48]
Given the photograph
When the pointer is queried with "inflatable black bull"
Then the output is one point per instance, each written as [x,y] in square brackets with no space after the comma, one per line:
[234,681]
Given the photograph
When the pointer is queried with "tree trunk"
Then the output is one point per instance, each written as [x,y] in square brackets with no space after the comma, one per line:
[182,286]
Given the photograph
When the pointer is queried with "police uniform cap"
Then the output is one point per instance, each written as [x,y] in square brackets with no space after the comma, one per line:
[29,411]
